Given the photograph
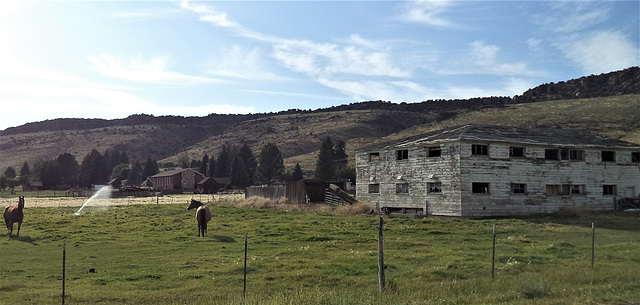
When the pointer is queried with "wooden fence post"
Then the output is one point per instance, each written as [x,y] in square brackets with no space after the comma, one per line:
[244,289]
[64,258]
[381,277]
[493,255]
[593,242]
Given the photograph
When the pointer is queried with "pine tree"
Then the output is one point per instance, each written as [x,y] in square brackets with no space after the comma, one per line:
[324,163]
[223,164]
[135,174]
[68,169]
[93,169]
[249,161]
[239,174]
[297,173]
[270,165]
[25,171]
[150,168]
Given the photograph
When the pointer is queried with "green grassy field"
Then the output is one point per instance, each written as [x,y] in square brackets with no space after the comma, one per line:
[150,254]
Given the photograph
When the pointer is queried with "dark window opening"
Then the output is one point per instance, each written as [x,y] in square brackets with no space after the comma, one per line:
[402,154]
[635,157]
[435,152]
[551,154]
[479,150]
[435,187]
[516,152]
[518,188]
[374,157]
[402,188]
[480,188]
[608,190]
[374,188]
[608,156]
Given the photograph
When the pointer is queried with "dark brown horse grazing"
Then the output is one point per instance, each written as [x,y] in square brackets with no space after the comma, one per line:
[13,214]
[203,215]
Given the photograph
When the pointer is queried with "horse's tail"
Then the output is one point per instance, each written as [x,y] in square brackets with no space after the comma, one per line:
[202,220]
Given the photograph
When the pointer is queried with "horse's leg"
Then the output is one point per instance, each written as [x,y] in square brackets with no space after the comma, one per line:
[9,228]
[19,225]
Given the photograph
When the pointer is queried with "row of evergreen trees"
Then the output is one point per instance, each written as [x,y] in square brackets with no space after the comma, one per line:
[237,163]
[65,172]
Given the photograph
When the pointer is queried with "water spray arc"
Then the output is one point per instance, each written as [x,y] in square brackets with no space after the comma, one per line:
[102,194]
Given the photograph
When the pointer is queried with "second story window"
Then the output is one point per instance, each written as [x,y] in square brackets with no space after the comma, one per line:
[402,154]
[402,188]
[635,157]
[434,152]
[374,157]
[516,152]
[608,156]
[479,150]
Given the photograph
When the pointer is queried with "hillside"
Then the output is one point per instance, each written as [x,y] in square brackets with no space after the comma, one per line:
[298,133]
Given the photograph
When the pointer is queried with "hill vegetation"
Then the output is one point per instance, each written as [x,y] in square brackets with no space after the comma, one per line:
[606,104]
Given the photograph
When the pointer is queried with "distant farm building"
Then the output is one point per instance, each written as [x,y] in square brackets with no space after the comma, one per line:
[32,186]
[478,171]
[211,185]
[179,179]
[305,191]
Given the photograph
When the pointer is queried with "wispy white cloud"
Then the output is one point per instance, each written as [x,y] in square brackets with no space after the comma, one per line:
[573,16]
[153,70]
[601,51]
[429,12]
[208,14]
[242,63]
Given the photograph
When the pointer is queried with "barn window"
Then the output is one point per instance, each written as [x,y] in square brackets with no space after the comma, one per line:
[374,157]
[577,189]
[551,154]
[635,157]
[435,187]
[402,188]
[566,189]
[374,188]
[516,152]
[608,156]
[609,190]
[402,154]
[434,152]
[479,150]
[480,188]
[571,154]
[518,188]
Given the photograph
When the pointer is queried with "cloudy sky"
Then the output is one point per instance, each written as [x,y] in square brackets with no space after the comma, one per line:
[110,59]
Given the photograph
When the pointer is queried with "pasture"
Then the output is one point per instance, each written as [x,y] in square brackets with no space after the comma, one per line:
[151,254]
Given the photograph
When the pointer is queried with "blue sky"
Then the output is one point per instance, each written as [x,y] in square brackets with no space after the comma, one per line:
[110,59]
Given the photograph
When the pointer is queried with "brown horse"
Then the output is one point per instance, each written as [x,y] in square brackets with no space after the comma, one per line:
[13,214]
[203,215]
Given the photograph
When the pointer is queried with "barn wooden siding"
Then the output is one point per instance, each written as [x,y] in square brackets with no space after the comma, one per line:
[391,179]
[303,191]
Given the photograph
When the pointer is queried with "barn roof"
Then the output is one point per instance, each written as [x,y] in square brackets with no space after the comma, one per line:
[173,172]
[510,134]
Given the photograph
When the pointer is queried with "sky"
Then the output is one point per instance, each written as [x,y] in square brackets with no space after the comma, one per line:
[112,59]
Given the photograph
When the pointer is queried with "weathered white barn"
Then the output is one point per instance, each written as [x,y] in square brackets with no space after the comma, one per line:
[479,170]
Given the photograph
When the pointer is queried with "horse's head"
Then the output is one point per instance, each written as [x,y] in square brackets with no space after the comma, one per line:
[21,202]
[194,204]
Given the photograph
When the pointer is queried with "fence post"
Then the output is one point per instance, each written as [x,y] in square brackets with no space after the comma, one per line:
[381,277]
[64,258]
[493,254]
[244,289]
[593,243]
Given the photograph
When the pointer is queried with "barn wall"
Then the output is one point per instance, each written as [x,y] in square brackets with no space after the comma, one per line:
[417,171]
[456,169]
[500,171]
